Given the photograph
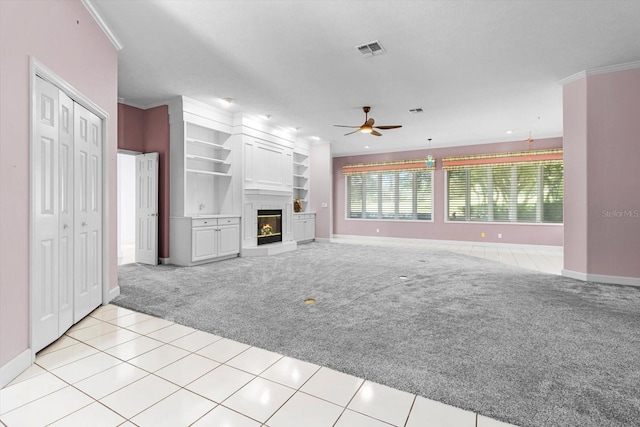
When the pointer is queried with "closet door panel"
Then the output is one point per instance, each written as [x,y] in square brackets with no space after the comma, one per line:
[66,226]
[95,212]
[82,197]
[45,241]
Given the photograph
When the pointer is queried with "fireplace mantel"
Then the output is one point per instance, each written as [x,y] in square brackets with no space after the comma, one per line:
[267,192]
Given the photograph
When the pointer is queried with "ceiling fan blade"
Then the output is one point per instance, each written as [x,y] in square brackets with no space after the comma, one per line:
[369,122]
[345,126]
[388,127]
[350,133]
[376,133]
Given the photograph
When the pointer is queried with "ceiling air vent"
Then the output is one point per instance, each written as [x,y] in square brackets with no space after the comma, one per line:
[416,111]
[371,48]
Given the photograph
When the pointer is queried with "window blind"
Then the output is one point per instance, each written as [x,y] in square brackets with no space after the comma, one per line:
[525,193]
[396,195]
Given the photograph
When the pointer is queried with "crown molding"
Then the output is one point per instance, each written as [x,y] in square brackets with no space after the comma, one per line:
[600,70]
[102,24]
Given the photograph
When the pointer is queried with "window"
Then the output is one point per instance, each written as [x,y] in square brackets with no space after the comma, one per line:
[404,195]
[515,193]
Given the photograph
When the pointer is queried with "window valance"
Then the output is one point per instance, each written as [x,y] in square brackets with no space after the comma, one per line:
[535,157]
[397,166]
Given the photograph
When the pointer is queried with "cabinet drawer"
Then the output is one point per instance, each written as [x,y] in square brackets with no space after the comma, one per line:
[304,217]
[227,221]
[208,222]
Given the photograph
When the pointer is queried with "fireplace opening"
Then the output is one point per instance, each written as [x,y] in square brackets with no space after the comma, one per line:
[269,226]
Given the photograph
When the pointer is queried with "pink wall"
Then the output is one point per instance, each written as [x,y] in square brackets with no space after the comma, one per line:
[131,128]
[575,175]
[613,180]
[439,229]
[321,187]
[65,38]
[147,131]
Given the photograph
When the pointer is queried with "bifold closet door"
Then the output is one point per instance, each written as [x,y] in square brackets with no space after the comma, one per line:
[88,212]
[66,176]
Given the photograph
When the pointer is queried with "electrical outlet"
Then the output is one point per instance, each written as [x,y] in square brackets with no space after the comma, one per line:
[499,235]
[377,230]
[324,205]
[482,234]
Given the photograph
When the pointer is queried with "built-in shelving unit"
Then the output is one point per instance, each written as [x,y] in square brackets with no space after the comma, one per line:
[301,177]
[205,152]
[203,226]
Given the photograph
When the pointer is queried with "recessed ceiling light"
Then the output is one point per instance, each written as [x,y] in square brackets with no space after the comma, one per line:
[366,146]
[227,101]
[509,132]
[315,138]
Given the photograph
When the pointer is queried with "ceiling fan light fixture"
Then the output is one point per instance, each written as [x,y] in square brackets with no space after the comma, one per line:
[366,129]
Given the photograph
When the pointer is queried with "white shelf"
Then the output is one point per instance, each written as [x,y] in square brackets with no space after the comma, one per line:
[207,159]
[208,144]
[207,172]
[301,170]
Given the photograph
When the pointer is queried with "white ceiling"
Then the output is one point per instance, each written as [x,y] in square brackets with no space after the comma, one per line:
[477,68]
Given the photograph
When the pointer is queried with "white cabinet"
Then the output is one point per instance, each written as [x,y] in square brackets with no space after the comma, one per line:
[204,243]
[304,227]
[204,239]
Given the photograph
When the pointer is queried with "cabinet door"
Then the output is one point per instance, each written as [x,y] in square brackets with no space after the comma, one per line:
[229,238]
[298,230]
[309,229]
[204,243]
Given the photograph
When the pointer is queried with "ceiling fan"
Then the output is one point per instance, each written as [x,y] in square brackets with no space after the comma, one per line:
[367,126]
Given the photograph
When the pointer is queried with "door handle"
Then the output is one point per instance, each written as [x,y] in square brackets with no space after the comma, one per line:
[65,226]
[84,224]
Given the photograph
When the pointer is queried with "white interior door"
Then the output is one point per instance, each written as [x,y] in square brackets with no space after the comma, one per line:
[45,210]
[87,212]
[147,208]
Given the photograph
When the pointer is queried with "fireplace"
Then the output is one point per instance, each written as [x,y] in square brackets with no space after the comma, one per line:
[269,226]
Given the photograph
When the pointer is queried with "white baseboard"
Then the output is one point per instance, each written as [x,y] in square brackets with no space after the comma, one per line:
[112,294]
[15,367]
[602,278]
[165,261]
[323,240]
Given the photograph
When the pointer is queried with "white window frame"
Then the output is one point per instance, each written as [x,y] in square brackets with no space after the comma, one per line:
[346,202]
[512,212]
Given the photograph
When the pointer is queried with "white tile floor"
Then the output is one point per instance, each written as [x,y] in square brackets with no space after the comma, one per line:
[120,368]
